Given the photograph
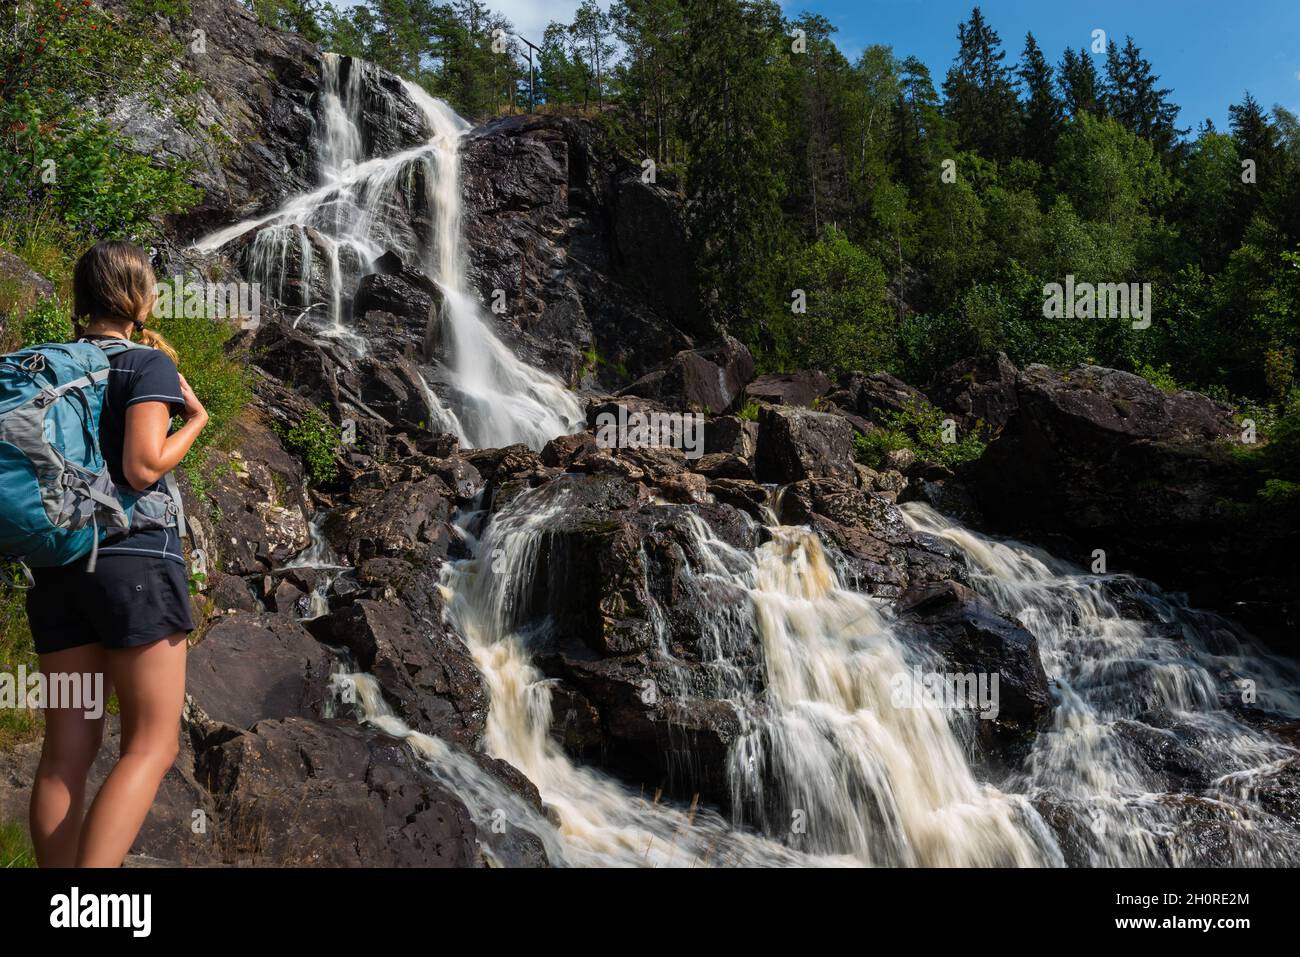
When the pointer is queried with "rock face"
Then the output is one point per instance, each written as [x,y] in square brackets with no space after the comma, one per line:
[591,261]
[796,444]
[1109,461]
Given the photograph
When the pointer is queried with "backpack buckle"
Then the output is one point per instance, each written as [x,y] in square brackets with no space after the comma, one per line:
[47,395]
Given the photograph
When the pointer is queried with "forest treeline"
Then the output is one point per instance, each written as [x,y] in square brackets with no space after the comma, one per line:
[818,183]
[845,214]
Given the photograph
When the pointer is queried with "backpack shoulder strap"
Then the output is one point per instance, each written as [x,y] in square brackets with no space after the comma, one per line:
[111,347]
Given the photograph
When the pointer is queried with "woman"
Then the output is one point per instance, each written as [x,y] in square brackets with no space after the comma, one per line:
[128,620]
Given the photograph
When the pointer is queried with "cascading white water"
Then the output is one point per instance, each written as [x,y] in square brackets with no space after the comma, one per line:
[845,774]
[1116,679]
[481,392]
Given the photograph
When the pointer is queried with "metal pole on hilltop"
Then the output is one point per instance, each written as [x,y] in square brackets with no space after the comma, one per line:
[532,94]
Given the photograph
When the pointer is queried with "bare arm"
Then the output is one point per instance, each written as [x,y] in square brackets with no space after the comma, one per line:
[148,452]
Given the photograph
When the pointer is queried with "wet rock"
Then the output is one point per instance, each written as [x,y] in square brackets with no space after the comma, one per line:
[877,551]
[1109,461]
[974,638]
[426,672]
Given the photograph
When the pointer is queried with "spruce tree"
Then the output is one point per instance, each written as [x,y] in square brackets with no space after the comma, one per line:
[980,92]
[1042,108]
[1080,85]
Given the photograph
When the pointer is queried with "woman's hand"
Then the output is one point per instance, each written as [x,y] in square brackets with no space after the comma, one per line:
[193,407]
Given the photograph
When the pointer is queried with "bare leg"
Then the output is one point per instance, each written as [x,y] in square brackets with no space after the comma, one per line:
[72,741]
[150,684]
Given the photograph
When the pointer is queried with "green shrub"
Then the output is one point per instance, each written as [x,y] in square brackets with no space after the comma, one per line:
[922,429]
[316,440]
[1162,378]
[47,321]
[749,411]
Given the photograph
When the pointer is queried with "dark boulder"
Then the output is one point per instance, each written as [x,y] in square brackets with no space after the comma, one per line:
[981,390]
[1103,459]
[974,638]
[789,388]
[410,518]
[796,444]
[249,667]
[332,794]
[699,380]
[425,671]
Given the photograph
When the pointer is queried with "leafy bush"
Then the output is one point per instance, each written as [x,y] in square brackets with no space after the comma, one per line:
[316,440]
[1162,378]
[749,411]
[65,66]
[1280,459]
[925,431]
[47,321]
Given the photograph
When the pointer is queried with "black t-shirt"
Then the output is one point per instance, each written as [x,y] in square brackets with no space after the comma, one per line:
[138,375]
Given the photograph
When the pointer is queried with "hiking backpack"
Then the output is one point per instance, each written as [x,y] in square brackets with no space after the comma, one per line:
[57,499]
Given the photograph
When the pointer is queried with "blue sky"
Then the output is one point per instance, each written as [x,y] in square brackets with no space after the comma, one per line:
[1207,53]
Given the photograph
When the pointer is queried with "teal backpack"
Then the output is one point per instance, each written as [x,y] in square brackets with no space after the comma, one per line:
[59,500]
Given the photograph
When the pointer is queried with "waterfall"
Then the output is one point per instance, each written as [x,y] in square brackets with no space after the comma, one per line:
[364,207]
[845,775]
[830,766]
[1168,676]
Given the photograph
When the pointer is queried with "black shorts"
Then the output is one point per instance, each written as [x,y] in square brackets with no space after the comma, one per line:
[128,601]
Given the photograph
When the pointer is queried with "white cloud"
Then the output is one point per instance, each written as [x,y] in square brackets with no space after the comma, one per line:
[530,17]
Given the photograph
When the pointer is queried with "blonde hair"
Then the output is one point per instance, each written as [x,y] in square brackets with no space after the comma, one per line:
[115,280]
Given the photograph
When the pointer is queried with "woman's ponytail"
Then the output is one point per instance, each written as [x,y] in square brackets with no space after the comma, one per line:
[149,337]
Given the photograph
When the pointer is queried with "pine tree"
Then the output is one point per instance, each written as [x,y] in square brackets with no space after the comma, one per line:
[915,126]
[980,92]
[733,137]
[1133,98]
[1042,108]
[1080,85]
[591,30]
[648,31]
